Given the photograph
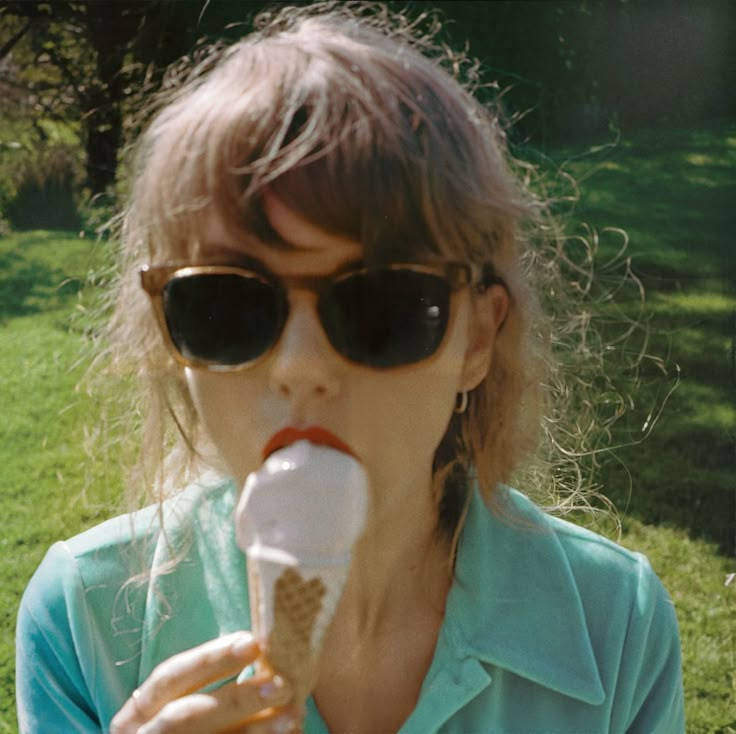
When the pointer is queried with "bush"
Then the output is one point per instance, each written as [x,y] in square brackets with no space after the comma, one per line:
[47,185]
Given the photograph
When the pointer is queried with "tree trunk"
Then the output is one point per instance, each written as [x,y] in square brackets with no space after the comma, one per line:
[110,35]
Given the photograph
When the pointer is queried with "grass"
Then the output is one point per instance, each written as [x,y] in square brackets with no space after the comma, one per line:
[44,470]
[671,191]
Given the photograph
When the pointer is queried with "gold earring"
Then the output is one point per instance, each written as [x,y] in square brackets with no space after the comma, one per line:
[461,402]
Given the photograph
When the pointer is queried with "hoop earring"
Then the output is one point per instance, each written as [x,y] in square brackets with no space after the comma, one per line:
[461,402]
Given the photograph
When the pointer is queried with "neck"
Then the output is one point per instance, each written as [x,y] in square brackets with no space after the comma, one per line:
[382,638]
[399,565]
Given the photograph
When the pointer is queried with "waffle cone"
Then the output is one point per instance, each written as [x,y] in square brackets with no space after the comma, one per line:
[297,605]
[291,608]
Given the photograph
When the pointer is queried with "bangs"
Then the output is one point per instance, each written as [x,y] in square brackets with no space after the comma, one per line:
[353,159]
[358,140]
[364,185]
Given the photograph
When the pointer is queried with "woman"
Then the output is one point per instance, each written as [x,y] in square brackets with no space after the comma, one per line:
[324,238]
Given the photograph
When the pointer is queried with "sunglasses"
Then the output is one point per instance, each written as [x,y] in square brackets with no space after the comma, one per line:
[223,318]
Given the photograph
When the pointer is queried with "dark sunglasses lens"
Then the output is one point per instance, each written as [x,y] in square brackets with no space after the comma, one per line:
[387,318]
[222,319]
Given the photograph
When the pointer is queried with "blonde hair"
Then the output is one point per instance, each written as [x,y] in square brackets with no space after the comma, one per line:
[364,126]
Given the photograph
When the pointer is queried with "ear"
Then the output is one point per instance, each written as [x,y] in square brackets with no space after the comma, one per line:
[489,311]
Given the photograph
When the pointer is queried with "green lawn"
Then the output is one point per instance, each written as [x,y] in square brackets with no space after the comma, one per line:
[673,192]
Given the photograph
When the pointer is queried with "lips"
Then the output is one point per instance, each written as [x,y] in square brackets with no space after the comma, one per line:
[313,434]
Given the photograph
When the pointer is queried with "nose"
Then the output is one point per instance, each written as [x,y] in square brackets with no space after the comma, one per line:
[304,366]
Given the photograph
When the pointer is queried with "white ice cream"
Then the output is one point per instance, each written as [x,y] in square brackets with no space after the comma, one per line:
[307,501]
[304,508]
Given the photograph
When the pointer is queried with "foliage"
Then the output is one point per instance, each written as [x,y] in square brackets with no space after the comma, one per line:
[565,68]
[40,173]
[91,62]
[45,191]
[573,68]
[67,66]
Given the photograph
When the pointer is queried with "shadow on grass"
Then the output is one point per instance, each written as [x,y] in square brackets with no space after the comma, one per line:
[30,279]
[673,192]
[679,489]
[683,474]
[28,287]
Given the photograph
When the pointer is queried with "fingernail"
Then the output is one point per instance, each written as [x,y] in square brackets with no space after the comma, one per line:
[284,725]
[274,688]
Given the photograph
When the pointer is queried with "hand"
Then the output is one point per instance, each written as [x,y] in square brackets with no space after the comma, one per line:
[170,700]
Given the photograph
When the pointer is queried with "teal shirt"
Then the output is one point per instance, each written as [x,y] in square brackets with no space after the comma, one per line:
[548,628]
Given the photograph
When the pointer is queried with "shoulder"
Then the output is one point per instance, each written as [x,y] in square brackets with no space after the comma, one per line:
[81,623]
[65,636]
[85,567]
[560,607]
[597,561]
[600,567]
[626,615]
[617,587]
[122,547]
[633,628]
[119,553]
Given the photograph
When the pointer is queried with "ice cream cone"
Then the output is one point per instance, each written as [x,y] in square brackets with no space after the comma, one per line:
[297,522]
[292,605]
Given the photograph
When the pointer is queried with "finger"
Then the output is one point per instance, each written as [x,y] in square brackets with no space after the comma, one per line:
[229,709]
[283,721]
[255,702]
[184,673]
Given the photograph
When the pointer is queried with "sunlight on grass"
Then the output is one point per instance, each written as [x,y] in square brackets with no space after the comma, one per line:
[695,578]
[673,192]
[700,302]
[46,476]
[707,408]
[697,159]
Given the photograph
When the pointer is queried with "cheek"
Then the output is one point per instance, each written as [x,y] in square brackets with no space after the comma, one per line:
[431,391]
[401,432]
[403,418]
[225,407]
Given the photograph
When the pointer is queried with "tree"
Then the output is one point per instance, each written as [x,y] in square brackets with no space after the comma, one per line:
[82,59]
[571,63]
[74,57]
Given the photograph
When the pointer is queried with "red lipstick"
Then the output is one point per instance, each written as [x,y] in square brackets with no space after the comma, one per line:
[313,434]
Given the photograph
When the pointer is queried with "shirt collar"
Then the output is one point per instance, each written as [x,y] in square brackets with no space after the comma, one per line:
[515,602]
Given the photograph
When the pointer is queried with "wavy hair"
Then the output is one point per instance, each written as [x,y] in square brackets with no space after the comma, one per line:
[360,121]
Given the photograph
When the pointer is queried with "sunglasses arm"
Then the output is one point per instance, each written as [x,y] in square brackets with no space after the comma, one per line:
[488,278]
